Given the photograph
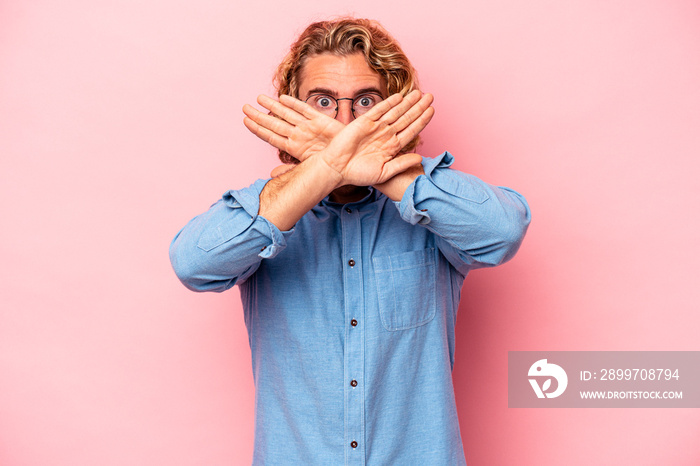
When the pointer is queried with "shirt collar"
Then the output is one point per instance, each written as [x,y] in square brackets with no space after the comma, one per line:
[369,198]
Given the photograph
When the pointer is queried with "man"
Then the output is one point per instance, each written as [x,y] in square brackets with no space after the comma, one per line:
[351,259]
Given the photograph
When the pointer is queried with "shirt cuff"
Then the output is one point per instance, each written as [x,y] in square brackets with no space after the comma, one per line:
[248,199]
[408,205]
[438,183]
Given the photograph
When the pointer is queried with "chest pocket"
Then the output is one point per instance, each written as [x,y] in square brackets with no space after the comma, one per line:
[406,288]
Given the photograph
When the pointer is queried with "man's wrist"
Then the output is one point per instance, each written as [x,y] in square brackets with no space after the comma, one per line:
[324,160]
[395,187]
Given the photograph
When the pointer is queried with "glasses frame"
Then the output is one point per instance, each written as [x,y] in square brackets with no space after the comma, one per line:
[352,101]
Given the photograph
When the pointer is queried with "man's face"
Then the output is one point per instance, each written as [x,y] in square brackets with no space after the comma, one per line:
[340,77]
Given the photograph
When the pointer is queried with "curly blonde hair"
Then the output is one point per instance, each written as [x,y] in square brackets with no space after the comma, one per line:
[344,37]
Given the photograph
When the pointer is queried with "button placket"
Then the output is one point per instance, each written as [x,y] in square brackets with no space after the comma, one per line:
[354,336]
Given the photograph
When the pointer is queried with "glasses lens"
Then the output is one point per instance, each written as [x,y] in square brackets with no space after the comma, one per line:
[364,103]
[323,103]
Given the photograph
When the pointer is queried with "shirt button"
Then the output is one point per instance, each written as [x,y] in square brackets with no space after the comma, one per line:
[351,263]
[348,210]
[353,383]
[353,322]
[353,444]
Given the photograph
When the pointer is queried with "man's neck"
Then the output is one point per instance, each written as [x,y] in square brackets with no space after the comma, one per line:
[349,193]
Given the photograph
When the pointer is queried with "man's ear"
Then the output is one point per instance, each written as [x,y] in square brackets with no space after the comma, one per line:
[281,169]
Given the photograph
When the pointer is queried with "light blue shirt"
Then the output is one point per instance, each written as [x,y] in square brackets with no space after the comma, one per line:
[351,314]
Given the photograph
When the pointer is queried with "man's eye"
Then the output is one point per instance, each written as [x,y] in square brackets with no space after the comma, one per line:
[367,101]
[324,102]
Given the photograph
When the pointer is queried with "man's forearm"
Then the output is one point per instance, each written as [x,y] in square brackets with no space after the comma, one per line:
[286,198]
[477,224]
[395,187]
[360,154]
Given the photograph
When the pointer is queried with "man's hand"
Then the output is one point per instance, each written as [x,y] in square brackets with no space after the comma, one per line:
[299,131]
[365,151]
[395,187]
[361,152]
[281,170]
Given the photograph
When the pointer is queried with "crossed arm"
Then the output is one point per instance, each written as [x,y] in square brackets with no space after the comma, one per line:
[332,155]
[475,224]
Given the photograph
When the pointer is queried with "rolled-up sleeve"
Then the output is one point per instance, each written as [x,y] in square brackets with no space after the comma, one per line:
[476,224]
[225,245]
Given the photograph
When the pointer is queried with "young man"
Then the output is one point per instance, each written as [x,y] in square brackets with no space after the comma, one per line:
[351,259]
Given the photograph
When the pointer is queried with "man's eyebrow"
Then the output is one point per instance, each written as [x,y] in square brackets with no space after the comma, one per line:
[322,90]
[334,94]
[368,90]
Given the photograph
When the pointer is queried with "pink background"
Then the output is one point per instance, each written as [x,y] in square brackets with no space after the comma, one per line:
[121,120]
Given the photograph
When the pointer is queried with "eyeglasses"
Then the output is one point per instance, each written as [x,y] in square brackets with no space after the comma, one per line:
[329,105]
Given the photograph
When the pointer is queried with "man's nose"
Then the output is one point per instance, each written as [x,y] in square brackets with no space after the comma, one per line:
[344,112]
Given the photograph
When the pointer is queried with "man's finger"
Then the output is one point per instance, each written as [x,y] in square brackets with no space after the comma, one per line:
[413,113]
[398,165]
[265,134]
[301,107]
[383,107]
[392,115]
[281,110]
[270,122]
[281,170]
[416,127]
